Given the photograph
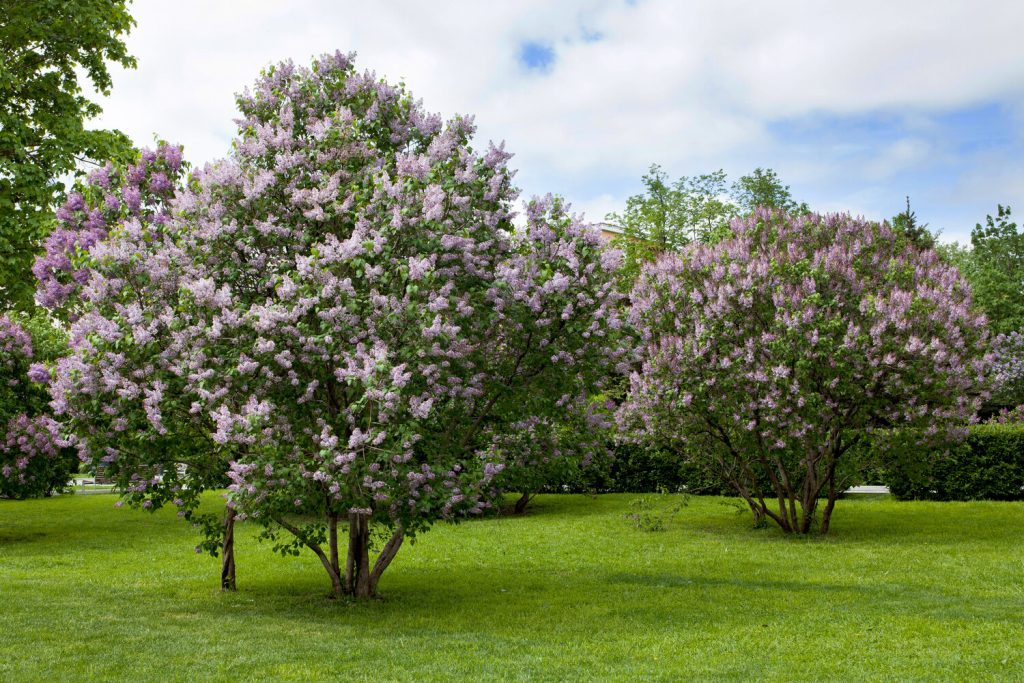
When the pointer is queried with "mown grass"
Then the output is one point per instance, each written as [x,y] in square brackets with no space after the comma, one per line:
[572,591]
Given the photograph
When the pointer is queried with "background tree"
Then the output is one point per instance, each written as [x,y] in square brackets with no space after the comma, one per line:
[669,215]
[692,209]
[995,269]
[916,233]
[771,355]
[652,222]
[47,45]
[763,187]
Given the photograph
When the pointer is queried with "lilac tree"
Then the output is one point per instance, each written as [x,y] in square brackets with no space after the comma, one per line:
[34,460]
[773,354]
[346,308]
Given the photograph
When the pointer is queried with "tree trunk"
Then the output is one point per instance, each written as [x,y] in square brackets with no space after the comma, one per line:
[332,541]
[809,508]
[227,566]
[757,511]
[826,515]
[363,582]
[336,587]
[337,590]
[385,557]
[520,506]
[357,566]
[351,568]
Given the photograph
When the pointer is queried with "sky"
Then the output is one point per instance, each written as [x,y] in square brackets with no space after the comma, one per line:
[855,105]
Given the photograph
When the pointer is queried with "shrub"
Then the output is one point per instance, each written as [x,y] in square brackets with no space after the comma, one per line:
[635,469]
[778,352]
[988,465]
[346,307]
[34,461]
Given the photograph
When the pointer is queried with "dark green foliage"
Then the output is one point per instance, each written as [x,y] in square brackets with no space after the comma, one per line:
[630,468]
[916,233]
[51,477]
[636,469]
[46,46]
[988,465]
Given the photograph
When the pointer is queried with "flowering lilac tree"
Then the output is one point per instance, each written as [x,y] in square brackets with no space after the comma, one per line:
[345,307]
[773,354]
[34,461]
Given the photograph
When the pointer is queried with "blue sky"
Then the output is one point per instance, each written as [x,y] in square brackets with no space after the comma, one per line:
[855,105]
[940,159]
[536,56]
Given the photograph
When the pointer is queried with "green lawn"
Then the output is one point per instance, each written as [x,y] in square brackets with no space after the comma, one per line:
[571,591]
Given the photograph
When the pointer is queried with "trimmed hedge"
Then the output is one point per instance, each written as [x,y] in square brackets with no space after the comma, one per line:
[988,465]
[637,470]
[634,469]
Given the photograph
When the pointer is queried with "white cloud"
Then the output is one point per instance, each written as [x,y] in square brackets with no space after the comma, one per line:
[902,155]
[693,86]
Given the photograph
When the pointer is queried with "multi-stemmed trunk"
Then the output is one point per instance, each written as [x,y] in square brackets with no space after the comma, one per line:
[795,515]
[358,579]
[797,503]
[797,506]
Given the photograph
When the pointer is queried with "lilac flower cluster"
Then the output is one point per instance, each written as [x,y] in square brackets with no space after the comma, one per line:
[15,342]
[111,197]
[1008,416]
[28,446]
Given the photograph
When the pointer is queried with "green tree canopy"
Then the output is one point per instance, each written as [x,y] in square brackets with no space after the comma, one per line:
[995,269]
[46,45]
[764,188]
[670,214]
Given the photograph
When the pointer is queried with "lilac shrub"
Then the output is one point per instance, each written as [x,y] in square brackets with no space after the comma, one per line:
[34,461]
[1008,369]
[771,355]
[561,273]
[346,310]
[112,197]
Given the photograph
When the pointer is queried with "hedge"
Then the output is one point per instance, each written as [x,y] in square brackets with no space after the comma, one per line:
[630,468]
[988,465]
